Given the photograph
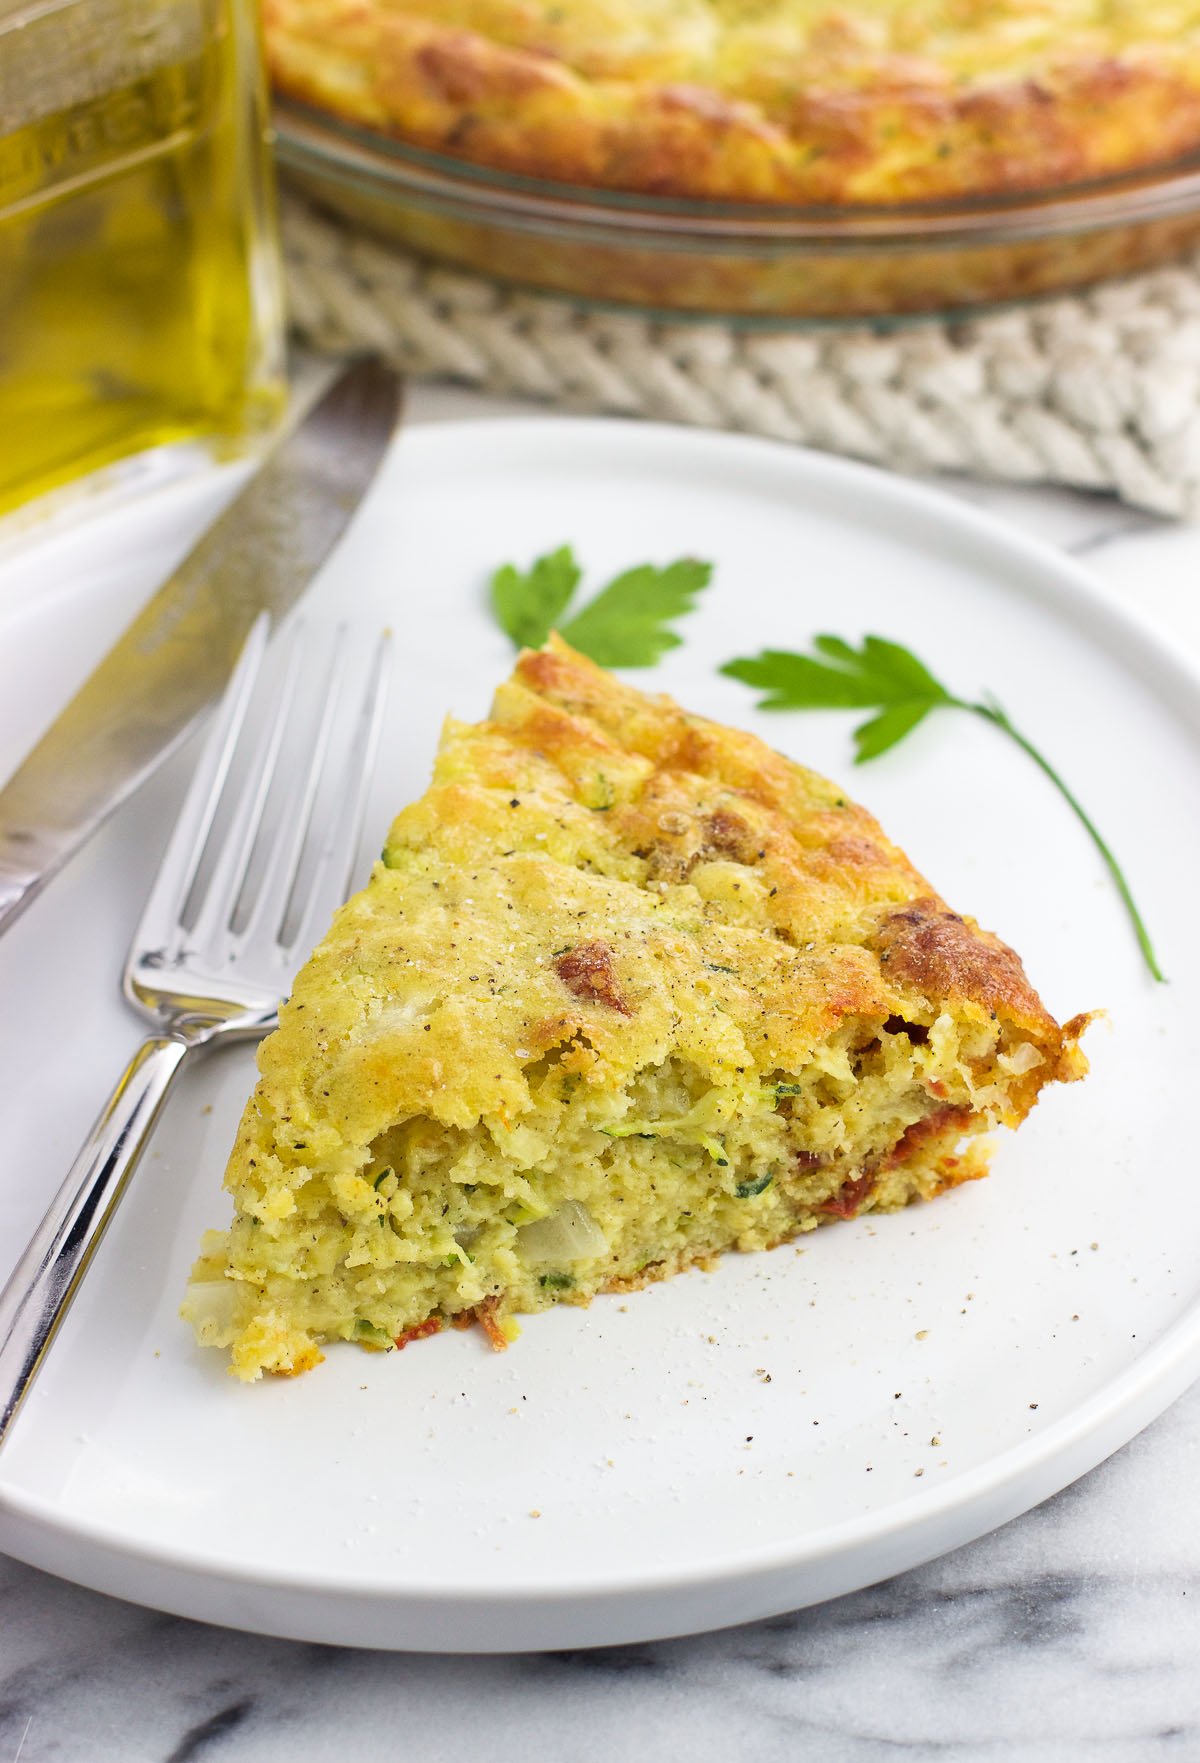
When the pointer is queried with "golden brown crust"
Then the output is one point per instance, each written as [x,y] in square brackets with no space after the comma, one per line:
[793,101]
[941,955]
[306,1360]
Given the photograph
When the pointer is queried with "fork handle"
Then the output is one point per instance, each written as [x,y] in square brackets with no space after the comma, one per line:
[46,1278]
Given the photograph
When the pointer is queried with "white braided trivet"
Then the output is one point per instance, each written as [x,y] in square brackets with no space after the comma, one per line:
[1099,390]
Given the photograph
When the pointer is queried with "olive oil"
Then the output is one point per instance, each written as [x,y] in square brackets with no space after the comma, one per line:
[139,296]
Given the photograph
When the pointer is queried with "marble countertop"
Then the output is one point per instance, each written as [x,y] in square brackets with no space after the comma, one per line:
[1072,1632]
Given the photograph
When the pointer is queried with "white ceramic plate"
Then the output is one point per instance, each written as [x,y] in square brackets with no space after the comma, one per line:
[726,1445]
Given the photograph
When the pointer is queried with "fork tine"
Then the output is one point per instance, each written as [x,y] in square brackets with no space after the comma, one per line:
[277,869]
[279,875]
[220,897]
[330,880]
[181,860]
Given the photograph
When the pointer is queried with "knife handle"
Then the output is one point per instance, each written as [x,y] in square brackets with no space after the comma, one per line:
[45,1279]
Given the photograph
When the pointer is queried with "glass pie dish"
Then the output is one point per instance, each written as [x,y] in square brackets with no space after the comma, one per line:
[738,261]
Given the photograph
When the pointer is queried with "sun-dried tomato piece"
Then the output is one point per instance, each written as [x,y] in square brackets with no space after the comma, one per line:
[485,1316]
[587,970]
[851,1196]
[930,1126]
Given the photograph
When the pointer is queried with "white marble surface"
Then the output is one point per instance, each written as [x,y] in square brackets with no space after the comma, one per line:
[1072,1633]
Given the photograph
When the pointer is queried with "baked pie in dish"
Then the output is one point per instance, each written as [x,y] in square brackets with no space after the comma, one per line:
[754,160]
[780,101]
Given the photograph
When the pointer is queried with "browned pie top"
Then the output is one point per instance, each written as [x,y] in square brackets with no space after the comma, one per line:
[761,100]
[595,871]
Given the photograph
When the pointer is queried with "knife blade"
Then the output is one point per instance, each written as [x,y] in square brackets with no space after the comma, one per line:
[178,653]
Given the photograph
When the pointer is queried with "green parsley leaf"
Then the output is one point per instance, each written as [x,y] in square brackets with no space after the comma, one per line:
[889,727]
[627,624]
[888,678]
[881,675]
[528,603]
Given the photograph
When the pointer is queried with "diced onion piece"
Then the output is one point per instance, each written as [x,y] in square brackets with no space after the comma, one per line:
[210,1305]
[1024,1057]
[568,1234]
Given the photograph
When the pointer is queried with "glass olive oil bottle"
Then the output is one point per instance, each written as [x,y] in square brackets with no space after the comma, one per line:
[139,281]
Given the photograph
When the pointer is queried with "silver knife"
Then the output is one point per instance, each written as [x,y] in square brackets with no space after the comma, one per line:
[177,655]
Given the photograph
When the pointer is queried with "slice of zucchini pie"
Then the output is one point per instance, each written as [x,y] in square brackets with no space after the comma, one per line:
[626,990]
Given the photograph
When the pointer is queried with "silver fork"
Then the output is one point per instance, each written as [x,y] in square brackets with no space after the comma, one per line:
[213,955]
